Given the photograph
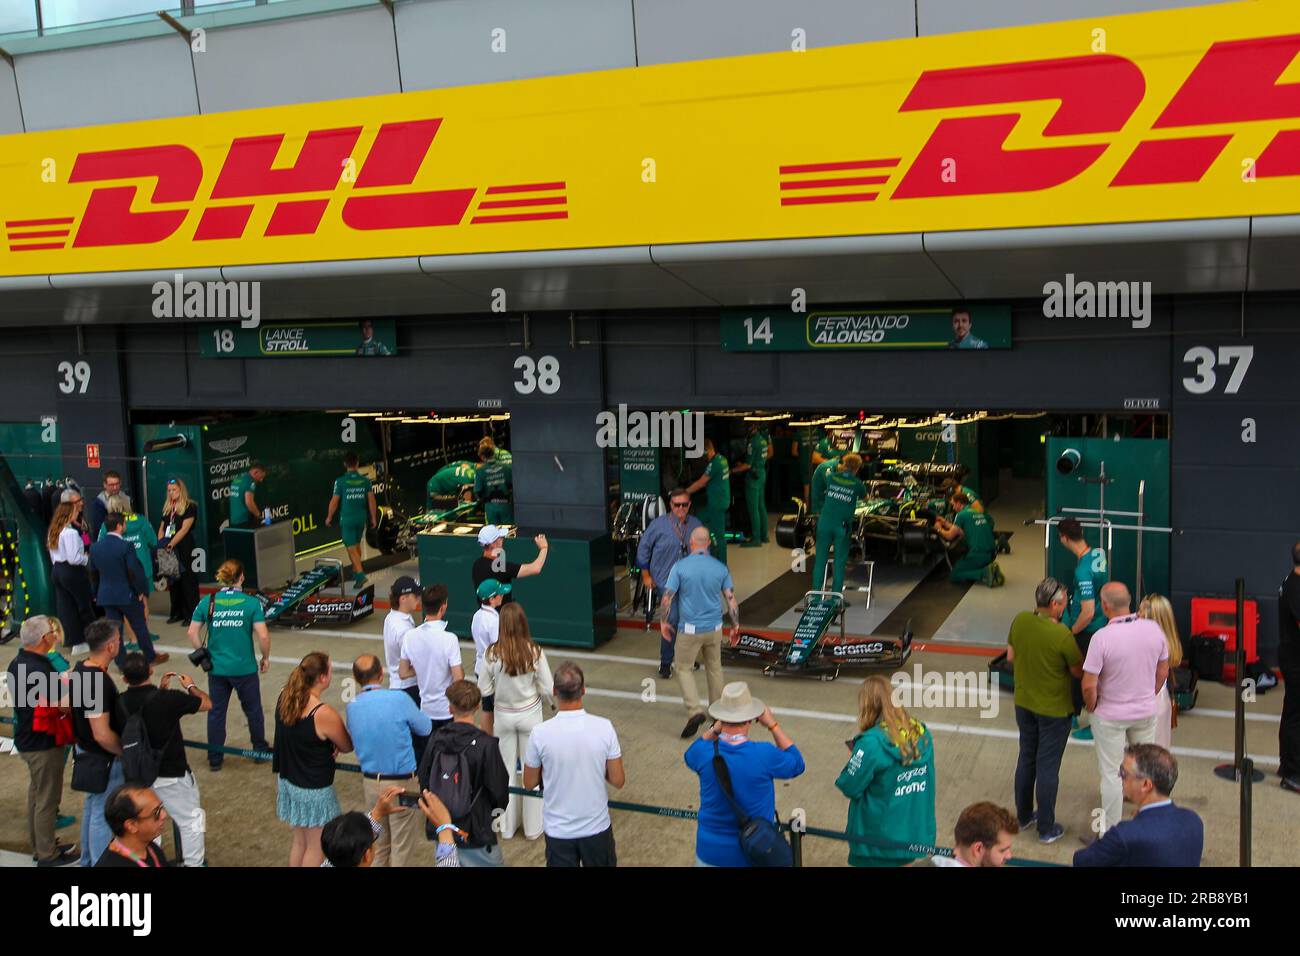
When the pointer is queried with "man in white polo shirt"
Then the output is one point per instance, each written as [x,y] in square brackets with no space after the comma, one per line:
[431,654]
[574,754]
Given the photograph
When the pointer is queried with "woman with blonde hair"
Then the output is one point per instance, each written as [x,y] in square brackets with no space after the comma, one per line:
[176,533]
[72,595]
[889,779]
[516,671]
[1156,607]
[309,734]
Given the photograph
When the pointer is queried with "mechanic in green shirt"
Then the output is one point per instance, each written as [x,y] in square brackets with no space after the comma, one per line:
[951,486]
[1044,658]
[843,492]
[500,454]
[233,620]
[717,476]
[493,483]
[450,481]
[819,476]
[354,500]
[1084,616]
[975,529]
[760,450]
[244,512]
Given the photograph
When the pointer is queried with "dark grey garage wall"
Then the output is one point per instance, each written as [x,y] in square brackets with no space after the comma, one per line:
[1236,502]
[1060,364]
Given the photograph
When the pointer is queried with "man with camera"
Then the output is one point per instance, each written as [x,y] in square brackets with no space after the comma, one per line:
[381,721]
[233,619]
[162,709]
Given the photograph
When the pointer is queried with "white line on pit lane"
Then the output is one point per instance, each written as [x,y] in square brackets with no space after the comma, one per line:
[652,664]
[1220,755]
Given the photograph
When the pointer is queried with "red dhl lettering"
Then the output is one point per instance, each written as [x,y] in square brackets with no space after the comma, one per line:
[247,174]
[1234,82]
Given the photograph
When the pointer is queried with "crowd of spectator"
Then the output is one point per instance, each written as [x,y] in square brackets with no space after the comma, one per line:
[439,753]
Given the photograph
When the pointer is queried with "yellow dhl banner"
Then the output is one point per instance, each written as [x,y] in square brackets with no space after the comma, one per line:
[1169,115]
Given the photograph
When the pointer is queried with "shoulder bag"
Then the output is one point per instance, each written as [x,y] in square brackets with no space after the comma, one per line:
[760,840]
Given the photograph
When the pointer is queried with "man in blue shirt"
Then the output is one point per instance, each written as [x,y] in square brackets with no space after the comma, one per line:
[665,542]
[381,722]
[1160,834]
[701,585]
[751,767]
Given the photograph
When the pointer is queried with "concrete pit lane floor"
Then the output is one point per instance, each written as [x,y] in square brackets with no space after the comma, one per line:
[975,757]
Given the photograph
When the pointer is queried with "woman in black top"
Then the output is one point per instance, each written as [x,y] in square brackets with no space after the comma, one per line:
[176,533]
[309,734]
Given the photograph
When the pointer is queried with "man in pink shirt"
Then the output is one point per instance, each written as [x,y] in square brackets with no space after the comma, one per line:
[1127,664]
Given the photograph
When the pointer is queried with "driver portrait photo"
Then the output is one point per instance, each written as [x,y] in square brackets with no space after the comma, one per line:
[371,345]
[961,337]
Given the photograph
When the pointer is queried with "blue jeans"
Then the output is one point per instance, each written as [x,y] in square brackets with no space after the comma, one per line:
[250,699]
[1042,744]
[134,614]
[95,833]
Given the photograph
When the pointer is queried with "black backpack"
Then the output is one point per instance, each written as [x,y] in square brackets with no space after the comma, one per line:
[140,758]
[446,774]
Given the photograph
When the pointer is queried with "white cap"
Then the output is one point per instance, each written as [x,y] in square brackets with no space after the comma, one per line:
[489,534]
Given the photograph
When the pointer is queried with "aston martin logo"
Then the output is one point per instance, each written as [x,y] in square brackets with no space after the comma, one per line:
[228,446]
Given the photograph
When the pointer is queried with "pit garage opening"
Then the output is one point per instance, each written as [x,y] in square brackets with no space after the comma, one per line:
[1025,470]
[423,468]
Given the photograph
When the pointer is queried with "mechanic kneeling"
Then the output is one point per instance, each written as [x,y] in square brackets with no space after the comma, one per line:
[975,531]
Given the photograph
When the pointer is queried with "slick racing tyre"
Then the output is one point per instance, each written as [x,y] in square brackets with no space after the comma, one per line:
[384,537]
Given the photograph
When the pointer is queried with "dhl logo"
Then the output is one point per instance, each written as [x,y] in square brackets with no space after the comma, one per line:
[247,175]
[1234,82]
[1149,129]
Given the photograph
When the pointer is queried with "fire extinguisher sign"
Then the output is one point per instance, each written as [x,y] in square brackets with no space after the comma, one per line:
[92,456]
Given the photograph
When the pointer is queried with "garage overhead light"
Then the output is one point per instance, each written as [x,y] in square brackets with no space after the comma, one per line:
[767,418]
[365,414]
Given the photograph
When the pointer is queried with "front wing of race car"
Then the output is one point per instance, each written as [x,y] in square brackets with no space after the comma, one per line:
[798,655]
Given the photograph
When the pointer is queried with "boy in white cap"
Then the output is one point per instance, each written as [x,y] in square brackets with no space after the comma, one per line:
[493,563]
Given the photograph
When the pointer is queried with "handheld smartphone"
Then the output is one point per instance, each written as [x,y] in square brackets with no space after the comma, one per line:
[408,799]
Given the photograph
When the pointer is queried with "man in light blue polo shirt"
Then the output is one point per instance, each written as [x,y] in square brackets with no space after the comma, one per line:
[701,585]
[381,722]
[665,542]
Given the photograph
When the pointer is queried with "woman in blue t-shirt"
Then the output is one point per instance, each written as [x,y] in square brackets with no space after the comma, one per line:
[752,767]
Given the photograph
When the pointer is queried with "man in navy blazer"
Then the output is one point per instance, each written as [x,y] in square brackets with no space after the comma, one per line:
[1161,834]
[123,588]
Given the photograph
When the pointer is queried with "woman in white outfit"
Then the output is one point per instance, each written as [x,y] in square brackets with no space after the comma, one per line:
[516,672]
[1157,608]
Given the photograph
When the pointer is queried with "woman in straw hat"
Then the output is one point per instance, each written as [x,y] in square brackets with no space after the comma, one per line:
[889,780]
[751,765]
